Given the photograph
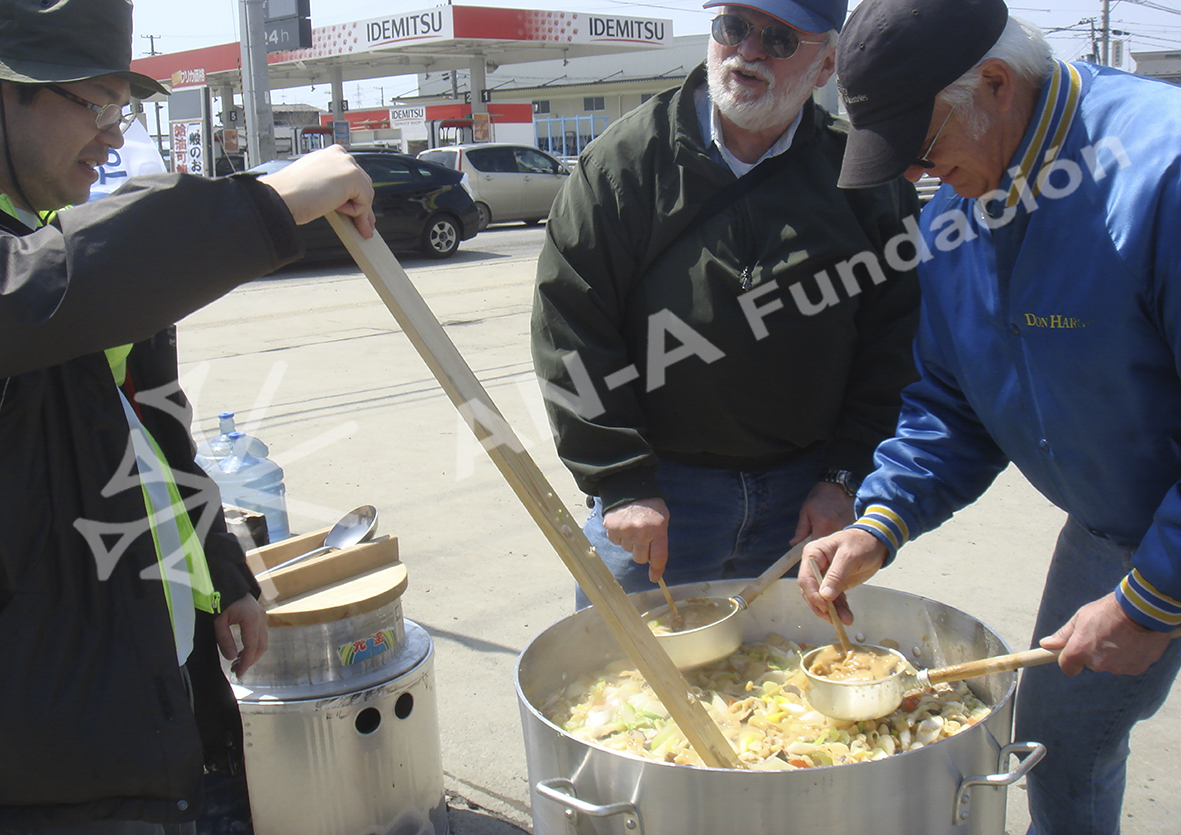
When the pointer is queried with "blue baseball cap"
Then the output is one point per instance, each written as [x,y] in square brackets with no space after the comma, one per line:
[811,16]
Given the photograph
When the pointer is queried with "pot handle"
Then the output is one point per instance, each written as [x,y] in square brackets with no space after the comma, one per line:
[560,790]
[1035,751]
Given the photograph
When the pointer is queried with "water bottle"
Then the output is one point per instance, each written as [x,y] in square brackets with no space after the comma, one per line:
[252,482]
[212,450]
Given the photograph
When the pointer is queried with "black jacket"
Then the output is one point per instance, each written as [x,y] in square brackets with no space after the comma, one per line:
[95,720]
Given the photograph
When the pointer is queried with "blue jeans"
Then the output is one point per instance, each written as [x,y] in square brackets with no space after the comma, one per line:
[722,523]
[1084,720]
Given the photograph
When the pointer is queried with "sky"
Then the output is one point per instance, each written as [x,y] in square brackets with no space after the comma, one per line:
[189,24]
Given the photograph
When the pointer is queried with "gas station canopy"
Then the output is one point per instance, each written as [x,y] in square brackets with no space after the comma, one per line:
[434,40]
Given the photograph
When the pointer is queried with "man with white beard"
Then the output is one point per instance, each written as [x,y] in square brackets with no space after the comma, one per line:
[719,338]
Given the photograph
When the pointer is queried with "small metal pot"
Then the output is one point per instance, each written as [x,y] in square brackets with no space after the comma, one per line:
[696,647]
[855,701]
[715,641]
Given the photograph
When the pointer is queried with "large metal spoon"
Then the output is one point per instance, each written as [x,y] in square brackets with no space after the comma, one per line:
[356,526]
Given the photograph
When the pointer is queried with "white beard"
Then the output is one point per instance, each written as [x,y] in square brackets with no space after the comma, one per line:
[775,107]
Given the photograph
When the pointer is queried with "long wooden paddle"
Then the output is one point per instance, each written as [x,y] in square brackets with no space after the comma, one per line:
[560,528]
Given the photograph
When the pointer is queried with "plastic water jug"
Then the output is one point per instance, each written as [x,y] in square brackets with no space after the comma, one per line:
[210,451]
[252,482]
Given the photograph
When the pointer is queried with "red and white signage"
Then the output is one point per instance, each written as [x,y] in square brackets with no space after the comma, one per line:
[188,78]
[445,23]
[188,147]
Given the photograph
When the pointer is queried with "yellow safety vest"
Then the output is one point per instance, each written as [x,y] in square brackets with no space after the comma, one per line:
[173,537]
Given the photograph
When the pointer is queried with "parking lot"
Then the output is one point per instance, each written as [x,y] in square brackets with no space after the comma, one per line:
[313,364]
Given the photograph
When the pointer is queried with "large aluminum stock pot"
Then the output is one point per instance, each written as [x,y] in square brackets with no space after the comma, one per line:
[954,786]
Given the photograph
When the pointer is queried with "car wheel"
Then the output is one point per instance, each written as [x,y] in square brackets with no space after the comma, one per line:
[485,216]
[440,238]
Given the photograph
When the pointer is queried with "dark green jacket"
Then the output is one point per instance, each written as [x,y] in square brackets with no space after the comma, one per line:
[736,374]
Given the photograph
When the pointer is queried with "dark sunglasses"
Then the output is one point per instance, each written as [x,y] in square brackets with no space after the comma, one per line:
[779,40]
[106,116]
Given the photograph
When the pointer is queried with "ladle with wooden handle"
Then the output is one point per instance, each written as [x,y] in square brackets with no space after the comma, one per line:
[534,491]
[856,701]
[720,638]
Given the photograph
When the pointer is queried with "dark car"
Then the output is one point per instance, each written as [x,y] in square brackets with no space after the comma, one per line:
[419,206]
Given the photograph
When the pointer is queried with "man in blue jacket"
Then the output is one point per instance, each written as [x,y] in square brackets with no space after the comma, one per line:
[1050,337]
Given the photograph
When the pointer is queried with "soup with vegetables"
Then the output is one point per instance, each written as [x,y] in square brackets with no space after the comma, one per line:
[693,614]
[758,698]
[860,664]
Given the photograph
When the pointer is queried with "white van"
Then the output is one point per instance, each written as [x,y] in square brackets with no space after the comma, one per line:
[508,182]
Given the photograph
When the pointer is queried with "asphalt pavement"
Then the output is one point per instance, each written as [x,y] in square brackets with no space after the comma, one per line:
[312,363]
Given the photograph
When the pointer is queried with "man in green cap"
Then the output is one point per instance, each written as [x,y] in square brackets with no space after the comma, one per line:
[118,581]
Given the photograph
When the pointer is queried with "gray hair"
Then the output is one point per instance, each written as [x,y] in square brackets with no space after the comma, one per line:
[1023,47]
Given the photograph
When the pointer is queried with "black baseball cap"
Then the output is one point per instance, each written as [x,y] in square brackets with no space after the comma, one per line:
[893,59]
[811,16]
[55,41]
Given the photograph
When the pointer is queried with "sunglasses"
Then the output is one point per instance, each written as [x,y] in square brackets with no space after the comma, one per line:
[106,115]
[779,40]
[925,160]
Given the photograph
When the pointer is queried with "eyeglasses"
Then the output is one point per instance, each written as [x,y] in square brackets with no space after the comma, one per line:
[779,41]
[106,115]
[925,160]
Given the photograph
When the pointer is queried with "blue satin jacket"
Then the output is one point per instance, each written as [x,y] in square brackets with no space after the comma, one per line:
[1050,335]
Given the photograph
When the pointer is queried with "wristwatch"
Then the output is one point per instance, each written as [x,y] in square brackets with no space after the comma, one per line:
[847,480]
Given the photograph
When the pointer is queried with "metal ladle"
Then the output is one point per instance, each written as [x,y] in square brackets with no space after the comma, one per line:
[855,701]
[356,526]
[719,639]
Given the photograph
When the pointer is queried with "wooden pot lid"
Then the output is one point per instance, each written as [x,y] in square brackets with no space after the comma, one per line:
[355,596]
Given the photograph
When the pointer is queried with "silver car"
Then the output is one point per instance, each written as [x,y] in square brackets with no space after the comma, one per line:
[508,182]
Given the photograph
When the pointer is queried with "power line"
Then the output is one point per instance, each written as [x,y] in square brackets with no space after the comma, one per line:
[1148,4]
[1159,39]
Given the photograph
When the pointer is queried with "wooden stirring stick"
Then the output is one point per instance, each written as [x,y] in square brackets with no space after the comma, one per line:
[537,495]
[846,647]
[678,618]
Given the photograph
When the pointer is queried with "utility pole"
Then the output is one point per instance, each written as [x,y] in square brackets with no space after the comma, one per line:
[1107,33]
[159,133]
[1093,57]
[256,84]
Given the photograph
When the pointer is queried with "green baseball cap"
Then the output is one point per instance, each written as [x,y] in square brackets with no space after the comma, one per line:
[56,41]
